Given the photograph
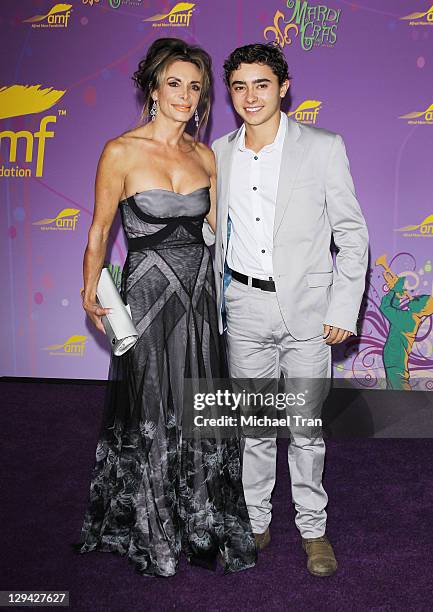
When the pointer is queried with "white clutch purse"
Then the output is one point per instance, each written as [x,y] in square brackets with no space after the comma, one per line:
[118,324]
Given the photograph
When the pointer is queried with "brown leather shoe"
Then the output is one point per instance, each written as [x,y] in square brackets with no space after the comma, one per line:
[262,539]
[321,558]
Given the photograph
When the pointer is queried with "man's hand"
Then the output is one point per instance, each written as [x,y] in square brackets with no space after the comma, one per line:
[335,335]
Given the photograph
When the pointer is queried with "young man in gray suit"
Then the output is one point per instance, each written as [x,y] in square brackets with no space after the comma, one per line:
[283,190]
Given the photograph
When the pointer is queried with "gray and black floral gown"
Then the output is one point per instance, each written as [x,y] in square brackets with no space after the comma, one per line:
[154,493]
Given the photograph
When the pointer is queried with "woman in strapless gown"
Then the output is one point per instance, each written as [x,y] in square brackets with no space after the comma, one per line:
[154,492]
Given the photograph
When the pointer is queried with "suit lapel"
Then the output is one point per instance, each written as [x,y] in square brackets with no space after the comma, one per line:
[291,160]
[226,169]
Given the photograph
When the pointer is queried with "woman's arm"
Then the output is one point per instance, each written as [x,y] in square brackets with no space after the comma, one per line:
[209,163]
[211,217]
[109,186]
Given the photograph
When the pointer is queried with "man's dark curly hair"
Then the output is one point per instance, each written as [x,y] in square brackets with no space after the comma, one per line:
[257,54]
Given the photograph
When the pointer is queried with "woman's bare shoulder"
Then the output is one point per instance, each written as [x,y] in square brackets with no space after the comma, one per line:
[123,146]
[114,148]
[131,138]
[206,154]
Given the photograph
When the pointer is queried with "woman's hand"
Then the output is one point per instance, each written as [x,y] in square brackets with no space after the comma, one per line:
[95,312]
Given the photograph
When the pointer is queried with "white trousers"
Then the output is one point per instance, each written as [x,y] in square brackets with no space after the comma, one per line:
[260,346]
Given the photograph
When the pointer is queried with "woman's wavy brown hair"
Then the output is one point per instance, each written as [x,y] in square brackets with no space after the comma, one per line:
[162,53]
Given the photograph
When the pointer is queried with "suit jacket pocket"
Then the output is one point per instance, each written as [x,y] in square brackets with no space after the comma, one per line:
[319,279]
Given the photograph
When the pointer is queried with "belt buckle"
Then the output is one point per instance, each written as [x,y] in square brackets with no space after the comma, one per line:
[271,280]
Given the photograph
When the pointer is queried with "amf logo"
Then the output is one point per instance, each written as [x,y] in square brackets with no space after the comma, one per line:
[73,347]
[424,117]
[420,18]
[421,230]
[66,219]
[179,16]
[306,112]
[16,100]
[57,17]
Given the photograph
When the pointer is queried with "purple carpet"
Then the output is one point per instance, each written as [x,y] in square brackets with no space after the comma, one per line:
[379,521]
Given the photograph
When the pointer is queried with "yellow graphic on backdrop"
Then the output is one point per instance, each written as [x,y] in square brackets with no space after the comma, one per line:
[307,112]
[73,347]
[280,37]
[420,117]
[423,229]
[18,100]
[57,17]
[65,220]
[179,16]
[316,25]
[415,18]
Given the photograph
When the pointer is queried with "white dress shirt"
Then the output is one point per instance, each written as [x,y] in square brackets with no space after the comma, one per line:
[253,194]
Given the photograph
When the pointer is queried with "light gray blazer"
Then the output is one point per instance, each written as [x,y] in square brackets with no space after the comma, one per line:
[315,200]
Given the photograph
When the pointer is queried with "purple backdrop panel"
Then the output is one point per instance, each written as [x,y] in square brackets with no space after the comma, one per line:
[362,69]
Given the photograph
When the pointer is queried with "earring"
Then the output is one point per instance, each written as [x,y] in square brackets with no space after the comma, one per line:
[154,110]
[197,118]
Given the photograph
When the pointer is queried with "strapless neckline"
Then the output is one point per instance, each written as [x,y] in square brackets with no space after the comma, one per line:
[184,195]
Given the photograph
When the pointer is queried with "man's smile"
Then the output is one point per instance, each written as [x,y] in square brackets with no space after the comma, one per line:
[253,109]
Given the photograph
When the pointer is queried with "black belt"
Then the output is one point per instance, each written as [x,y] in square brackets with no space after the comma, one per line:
[264,285]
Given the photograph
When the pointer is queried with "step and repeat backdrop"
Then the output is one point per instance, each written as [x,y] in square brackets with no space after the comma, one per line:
[362,68]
